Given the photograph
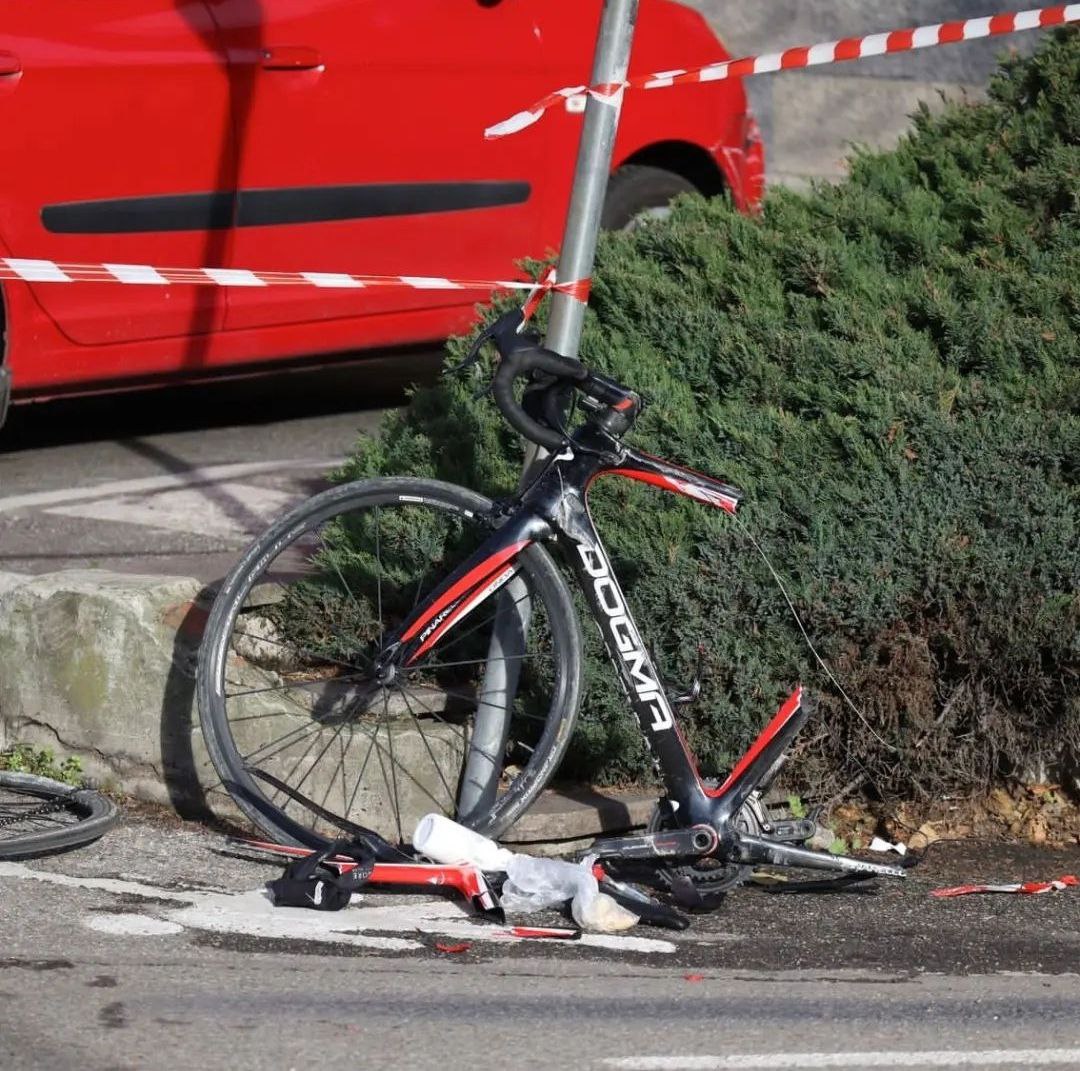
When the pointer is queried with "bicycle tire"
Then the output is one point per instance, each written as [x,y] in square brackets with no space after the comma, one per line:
[232,648]
[79,816]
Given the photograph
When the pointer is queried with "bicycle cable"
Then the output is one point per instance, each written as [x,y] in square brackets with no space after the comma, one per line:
[806,636]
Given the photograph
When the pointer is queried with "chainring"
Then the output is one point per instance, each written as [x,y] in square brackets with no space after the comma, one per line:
[710,877]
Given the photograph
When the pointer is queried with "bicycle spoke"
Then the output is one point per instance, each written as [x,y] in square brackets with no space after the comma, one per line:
[319,758]
[473,662]
[295,766]
[472,699]
[337,569]
[301,653]
[431,754]
[393,771]
[294,736]
[341,766]
[359,776]
[419,586]
[284,687]
[442,721]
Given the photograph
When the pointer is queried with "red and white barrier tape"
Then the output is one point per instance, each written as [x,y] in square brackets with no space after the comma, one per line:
[1024,888]
[850,48]
[49,271]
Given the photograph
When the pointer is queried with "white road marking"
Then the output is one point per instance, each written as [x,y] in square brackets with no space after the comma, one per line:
[809,1060]
[191,509]
[129,925]
[251,914]
[142,485]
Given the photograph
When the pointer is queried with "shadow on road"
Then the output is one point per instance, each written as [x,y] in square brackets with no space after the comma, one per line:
[372,383]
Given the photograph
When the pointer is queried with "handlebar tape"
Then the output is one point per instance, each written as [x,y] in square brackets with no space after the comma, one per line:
[524,362]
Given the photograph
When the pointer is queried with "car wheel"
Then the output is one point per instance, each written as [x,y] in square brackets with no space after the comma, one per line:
[637,192]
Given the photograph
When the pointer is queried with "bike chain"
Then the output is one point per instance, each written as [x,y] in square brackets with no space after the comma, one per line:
[46,808]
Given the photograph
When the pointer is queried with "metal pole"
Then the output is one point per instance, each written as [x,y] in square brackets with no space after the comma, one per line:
[578,252]
[508,645]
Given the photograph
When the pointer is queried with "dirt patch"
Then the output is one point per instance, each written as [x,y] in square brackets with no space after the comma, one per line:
[1042,814]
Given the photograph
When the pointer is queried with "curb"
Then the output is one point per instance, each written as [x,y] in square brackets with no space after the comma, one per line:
[101,665]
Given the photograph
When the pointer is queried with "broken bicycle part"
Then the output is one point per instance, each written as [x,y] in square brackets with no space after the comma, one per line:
[469,881]
[40,816]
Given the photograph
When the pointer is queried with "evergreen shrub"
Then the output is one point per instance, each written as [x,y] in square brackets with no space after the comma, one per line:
[889,368]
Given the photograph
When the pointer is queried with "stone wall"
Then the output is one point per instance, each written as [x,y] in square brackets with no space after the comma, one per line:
[811,117]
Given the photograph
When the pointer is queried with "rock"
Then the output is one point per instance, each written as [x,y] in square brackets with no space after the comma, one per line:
[101,665]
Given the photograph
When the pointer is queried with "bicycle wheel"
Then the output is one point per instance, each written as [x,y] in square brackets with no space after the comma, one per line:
[39,816]
[298,728]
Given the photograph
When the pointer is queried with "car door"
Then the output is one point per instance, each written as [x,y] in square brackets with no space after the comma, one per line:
[117,148]
[360,146]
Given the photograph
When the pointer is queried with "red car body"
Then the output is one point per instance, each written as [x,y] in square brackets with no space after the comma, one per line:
[305,135]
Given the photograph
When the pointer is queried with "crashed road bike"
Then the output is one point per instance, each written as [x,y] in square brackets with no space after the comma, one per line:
[398,646]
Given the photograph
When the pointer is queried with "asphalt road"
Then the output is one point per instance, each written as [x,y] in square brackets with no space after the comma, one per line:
[154,949]
[177,481]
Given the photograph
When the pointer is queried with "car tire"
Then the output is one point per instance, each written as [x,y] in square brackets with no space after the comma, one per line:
[637,191]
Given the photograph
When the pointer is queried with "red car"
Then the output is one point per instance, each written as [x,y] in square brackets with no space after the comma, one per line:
[310,135]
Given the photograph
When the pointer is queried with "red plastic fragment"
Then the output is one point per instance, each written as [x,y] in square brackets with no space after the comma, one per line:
[1023,888]
[464,946]
[553,932]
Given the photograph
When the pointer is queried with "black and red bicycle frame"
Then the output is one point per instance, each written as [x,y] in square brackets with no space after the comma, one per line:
[554,510]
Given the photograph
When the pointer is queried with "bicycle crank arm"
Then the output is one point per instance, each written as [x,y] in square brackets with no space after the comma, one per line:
[671,844]
[759,850]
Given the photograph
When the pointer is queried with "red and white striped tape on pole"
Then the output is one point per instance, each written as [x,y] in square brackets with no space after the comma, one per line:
[49,271]
[850,48]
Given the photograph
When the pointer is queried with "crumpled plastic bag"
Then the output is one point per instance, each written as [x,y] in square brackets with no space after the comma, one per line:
[532,883]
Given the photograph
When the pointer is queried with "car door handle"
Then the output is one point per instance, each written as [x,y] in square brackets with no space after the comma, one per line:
[9,63]
[291,58]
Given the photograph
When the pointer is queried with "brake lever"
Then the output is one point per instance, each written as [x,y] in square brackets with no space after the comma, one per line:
[505,332]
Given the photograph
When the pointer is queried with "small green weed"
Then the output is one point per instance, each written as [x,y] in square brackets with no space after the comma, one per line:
[25,758]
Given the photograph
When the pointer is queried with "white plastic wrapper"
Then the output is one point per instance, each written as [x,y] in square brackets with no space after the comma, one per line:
[533,884]
[879,845]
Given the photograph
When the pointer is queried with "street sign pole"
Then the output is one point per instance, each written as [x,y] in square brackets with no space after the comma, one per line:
[514,606]
[578,253]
